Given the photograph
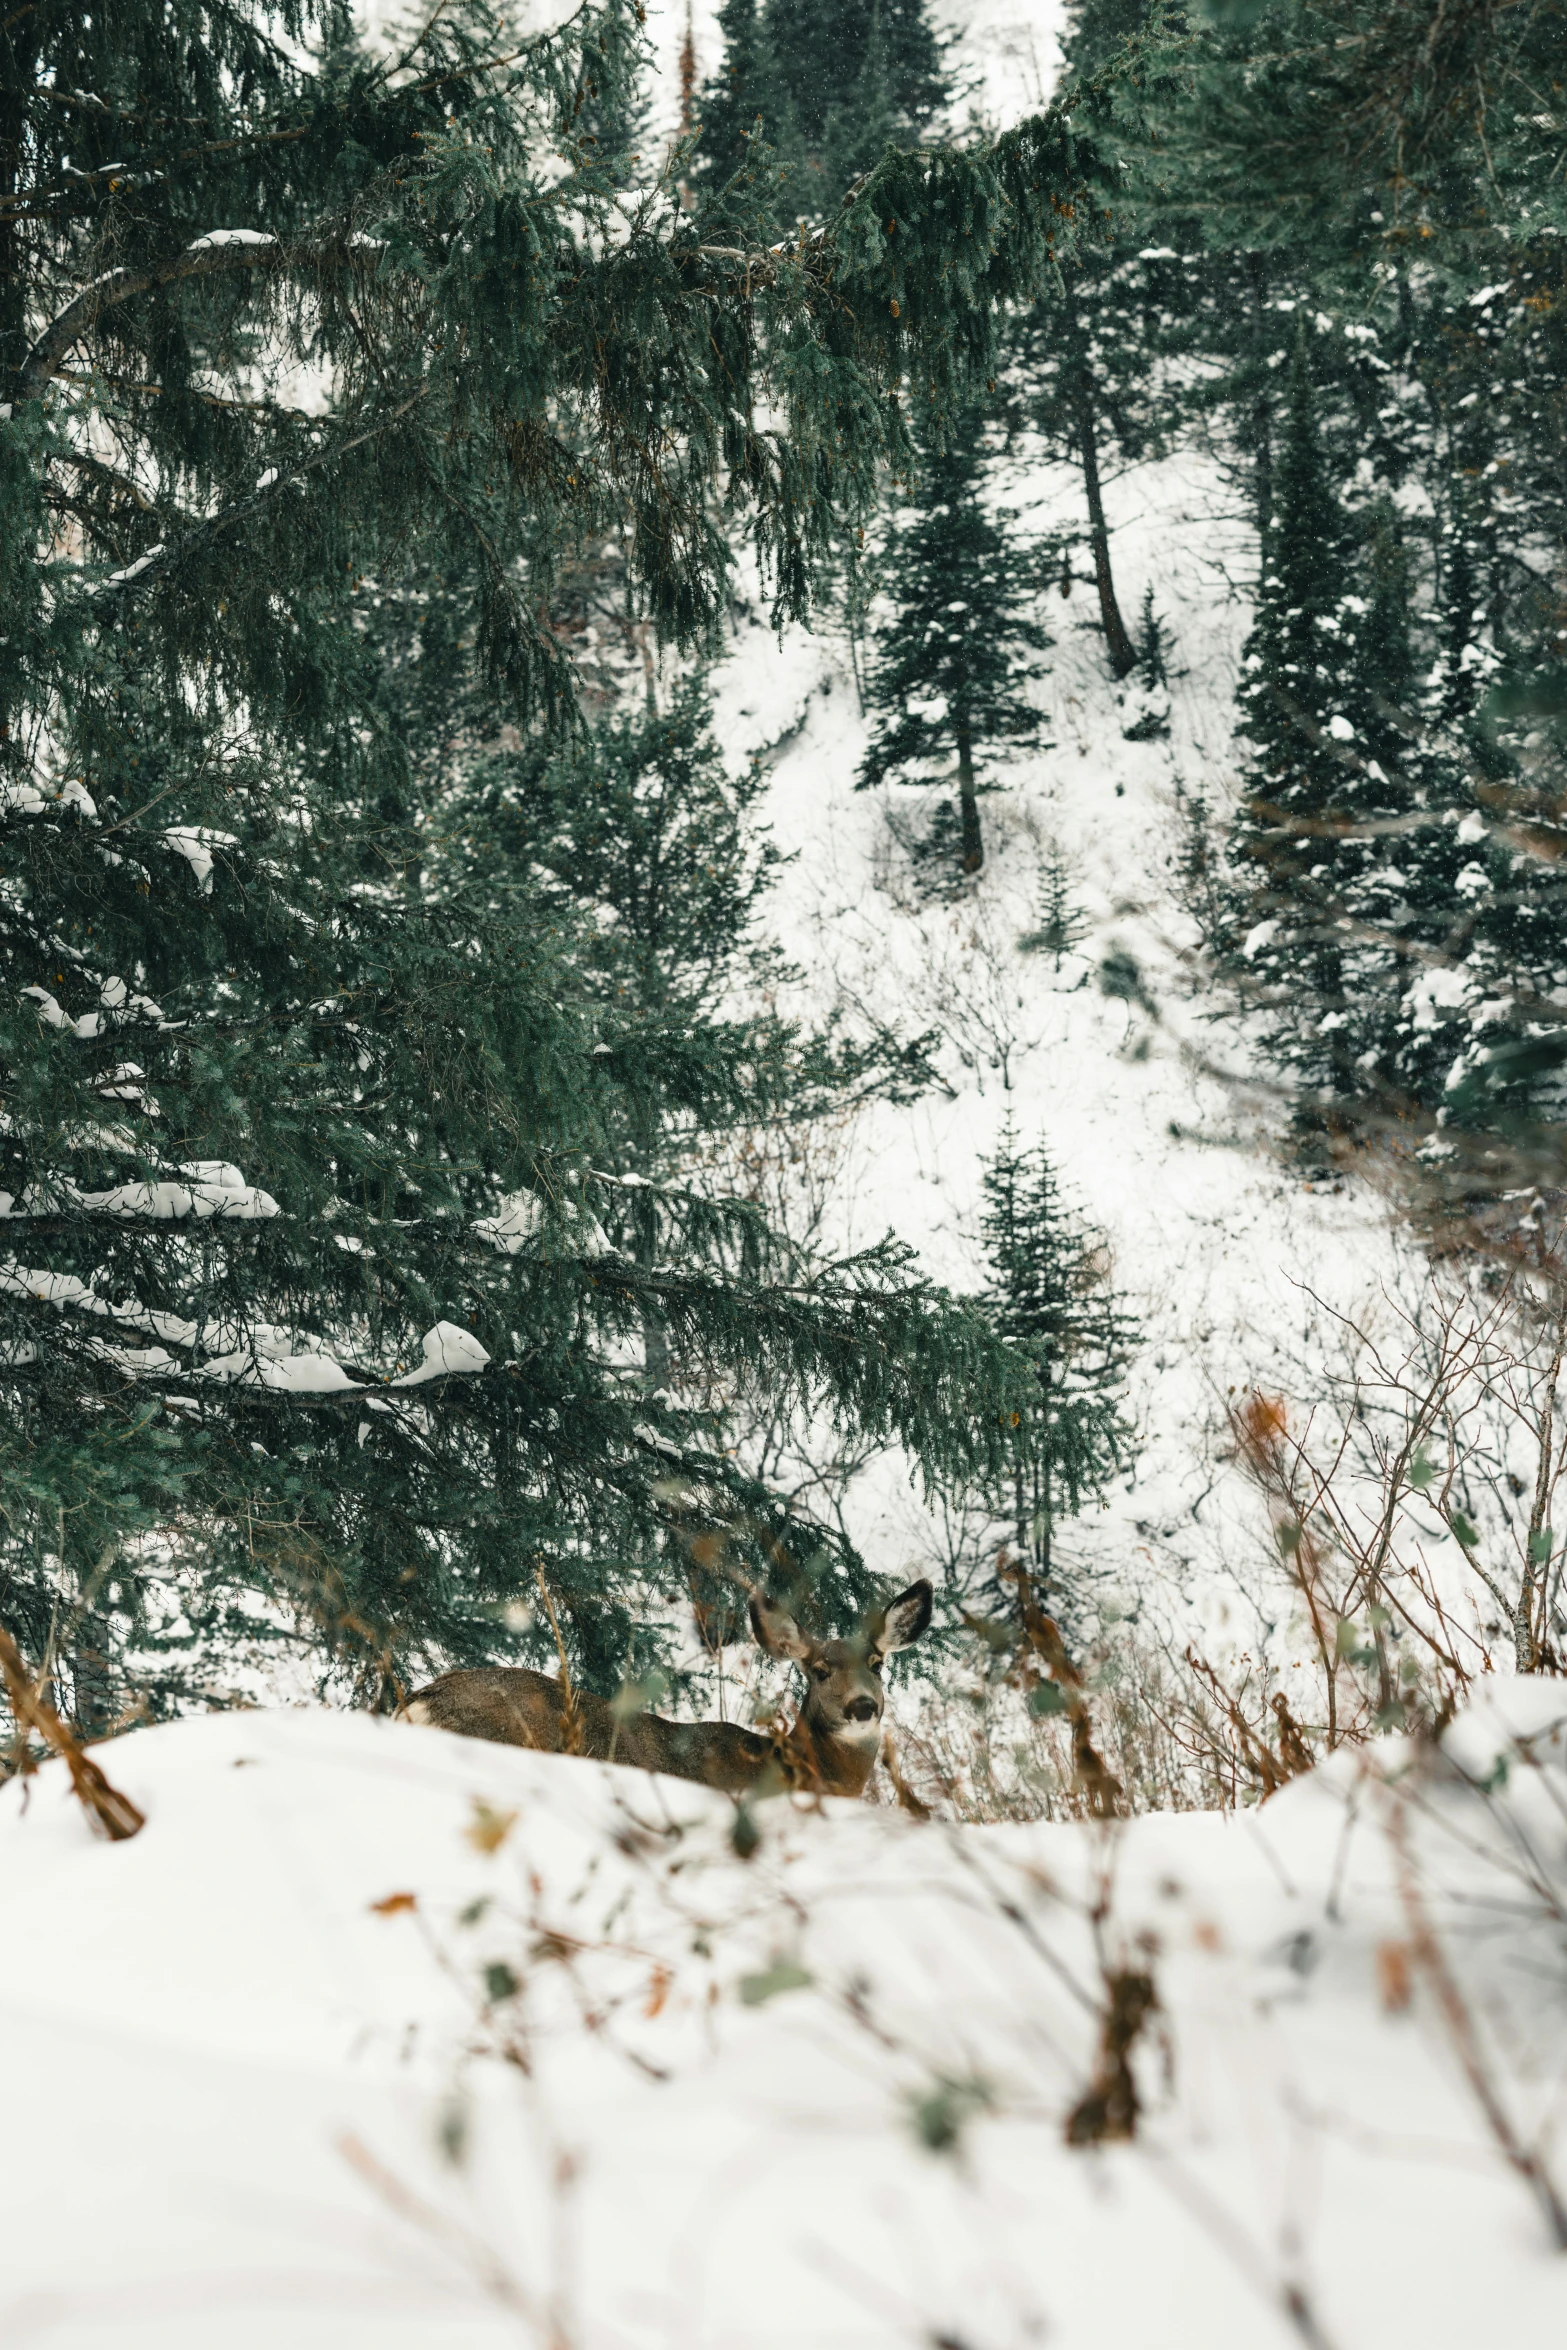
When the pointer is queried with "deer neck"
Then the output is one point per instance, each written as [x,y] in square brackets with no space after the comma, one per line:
[827,1761]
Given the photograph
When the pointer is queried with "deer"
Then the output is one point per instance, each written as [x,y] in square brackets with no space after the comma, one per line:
[829,1749]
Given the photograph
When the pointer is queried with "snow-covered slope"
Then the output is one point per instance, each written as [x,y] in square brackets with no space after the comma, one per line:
[1219,1251]
[1214,1244]
[815,2096]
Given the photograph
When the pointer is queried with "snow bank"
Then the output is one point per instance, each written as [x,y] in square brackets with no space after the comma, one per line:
[819,2094]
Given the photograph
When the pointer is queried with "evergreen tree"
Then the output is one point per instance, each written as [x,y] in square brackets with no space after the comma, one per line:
[853,74]
[1049,1300]
[1104,353]
[1062,921]
[1145,712]
[745,97]
[950,660]
[308,1320]
[649,853]
[1405,967]
[1382,170]
[1095,32]
[1308,881]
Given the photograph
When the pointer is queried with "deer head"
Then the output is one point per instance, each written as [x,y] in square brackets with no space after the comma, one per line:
[844,1696]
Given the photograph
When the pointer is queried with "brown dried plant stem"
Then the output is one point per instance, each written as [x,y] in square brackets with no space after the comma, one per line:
[571,1716]
[1105,1796]
[110,1813]
[1109,2107]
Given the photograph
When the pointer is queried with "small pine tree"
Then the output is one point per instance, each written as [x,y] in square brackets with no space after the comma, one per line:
[1061,921]
[1146,699]
[1049,1299]
[1153,644]
[950,661]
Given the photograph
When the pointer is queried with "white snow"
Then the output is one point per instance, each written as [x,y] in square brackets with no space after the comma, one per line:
[215,1189]
[196,842]
[134,570]
[515,1223]
[230,236]
[203,1188]
[237,2045]
[446,1348]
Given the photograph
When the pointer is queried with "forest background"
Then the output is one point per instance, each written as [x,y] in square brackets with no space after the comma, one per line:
[420,1140]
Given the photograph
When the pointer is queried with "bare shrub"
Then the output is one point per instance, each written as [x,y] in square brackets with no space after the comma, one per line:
[984,1749]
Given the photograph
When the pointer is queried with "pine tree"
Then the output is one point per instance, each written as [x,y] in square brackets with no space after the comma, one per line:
[950,660]
[1405,973]
[854,74]
[311,1328]
[1062,921]
[1370,181]
[1048,1297]
[745,97]
[1312,774]
[643,846]
[1145,715]
[1095,32]
[1097,352]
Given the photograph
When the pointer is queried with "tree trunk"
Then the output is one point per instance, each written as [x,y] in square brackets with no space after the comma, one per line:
[20,77]
[1044,1547]
[1261,410]
[968,804]
[1123,653]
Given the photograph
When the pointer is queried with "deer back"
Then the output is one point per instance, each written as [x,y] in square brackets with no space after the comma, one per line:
[516,1707]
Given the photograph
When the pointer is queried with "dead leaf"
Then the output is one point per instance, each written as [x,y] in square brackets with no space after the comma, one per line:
[488,1830]
[394,1902]
[1393,1977]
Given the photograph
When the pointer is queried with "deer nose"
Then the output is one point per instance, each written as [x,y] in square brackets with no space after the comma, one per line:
[860,1709]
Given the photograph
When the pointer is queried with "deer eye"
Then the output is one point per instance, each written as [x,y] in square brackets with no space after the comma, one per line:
[821,1672]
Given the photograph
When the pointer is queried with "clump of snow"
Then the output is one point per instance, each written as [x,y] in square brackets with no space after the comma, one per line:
[515,1224]
[1442,987]
[134,570]
[195,843]
[229,236]
[446,1348]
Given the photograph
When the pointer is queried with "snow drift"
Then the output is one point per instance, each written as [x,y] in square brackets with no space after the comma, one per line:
[375,2034]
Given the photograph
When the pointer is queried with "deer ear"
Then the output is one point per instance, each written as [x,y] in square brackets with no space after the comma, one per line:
[905,1619]
[777,1631]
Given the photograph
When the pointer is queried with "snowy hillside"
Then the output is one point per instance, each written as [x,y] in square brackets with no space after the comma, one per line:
[1212,1243]
[387,2036]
